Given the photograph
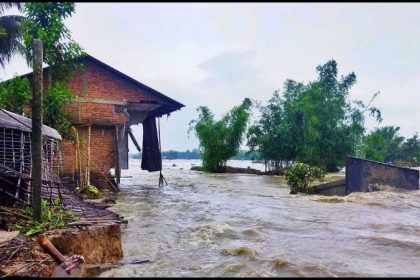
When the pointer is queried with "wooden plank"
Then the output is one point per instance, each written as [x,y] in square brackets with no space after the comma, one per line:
[134,140]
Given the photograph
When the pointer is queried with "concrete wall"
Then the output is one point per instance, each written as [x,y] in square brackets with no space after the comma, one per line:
[331,188]
[364,175]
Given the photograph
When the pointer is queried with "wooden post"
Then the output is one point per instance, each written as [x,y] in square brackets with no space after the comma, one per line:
[37,128]
[134,140]
[117,165]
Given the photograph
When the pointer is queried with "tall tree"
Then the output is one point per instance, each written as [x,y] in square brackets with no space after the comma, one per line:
[272,136]
[410,149]
[45,21]
[386,145]
[313,123]
[220,140]
[374,147]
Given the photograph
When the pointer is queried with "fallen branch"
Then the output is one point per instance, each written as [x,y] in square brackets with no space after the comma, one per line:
[20,246]
[134,262]
[14,213]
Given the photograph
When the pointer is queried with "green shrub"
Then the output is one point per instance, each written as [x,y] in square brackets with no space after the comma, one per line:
[89,190]
[299,176]
[53,217]
[55,99]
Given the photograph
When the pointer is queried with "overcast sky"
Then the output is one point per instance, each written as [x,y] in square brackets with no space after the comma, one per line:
[215,54]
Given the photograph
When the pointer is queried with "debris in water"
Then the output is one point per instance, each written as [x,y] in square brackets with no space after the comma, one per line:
[279,262]
[243,250]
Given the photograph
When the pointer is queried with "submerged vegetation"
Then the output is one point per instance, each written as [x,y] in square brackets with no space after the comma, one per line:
[220,140]
[313,123]
[299,176]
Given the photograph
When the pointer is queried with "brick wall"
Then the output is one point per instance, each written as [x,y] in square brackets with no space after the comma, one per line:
[102,151]
[101,83]
[94,82]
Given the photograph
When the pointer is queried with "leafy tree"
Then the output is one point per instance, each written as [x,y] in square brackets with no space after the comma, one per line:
[15,94]
[375,147]
[332,127]
[410,149]
[272,136]
[220,140]
[386,145]
[313,123]
[45,21]
[393,142]
[246,155]
[53,103]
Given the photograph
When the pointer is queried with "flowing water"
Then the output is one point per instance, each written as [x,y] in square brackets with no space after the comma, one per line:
[214,225]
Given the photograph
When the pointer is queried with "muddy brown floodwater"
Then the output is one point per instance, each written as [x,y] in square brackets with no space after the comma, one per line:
[214,225]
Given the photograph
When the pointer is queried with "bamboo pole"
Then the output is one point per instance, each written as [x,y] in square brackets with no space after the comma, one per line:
[117,167]
[106,178]
[88,163]
[36,144]
[78,159]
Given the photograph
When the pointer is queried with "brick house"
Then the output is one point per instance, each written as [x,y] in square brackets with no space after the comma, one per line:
[107,102]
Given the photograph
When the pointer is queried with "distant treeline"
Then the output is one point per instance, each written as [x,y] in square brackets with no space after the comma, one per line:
[196,154]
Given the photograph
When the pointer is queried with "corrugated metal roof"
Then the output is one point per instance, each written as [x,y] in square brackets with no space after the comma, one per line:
[11,120]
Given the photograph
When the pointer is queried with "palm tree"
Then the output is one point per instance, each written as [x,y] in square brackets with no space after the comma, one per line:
[7,5]
[10,33]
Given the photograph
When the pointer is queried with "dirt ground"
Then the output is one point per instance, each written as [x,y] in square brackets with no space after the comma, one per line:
[7,235]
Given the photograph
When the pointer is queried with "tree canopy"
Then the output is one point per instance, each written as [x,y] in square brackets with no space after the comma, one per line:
[384,144]
[43,21]
[15,94]
[313,123]
[220,140]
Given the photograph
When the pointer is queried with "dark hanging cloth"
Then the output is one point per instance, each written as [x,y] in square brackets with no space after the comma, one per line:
[151,157]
